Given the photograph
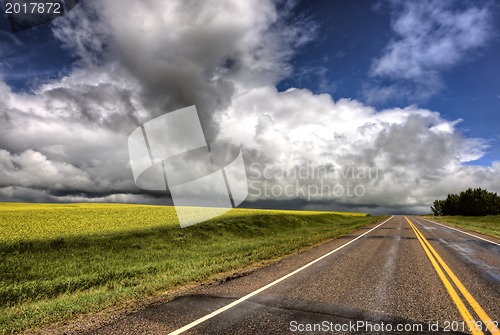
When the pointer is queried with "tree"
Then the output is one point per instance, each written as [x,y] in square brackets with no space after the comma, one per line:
[437,207]
[471,202]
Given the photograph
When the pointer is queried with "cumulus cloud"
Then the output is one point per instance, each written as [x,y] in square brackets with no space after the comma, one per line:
[135,65]
[68,140]
[182,53]
[299,145]
[33,169]
[431,37]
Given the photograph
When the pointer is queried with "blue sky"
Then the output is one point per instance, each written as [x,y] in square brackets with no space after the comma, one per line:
[369,84]
[352,34]
[32,57]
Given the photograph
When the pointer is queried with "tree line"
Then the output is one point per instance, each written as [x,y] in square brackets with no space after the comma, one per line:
[472,202]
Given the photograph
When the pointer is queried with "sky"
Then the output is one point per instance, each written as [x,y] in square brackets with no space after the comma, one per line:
[374,106]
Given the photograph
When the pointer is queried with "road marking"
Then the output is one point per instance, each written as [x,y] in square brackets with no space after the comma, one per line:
[470,299]
[464,232]
[263,288]
[451,291]
[435,259]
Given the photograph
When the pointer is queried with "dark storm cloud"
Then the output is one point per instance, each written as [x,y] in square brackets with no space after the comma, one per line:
[183,53]
[70,137]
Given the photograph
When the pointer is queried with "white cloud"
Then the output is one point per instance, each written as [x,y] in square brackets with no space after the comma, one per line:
[33,169]
[413,154]
[55,142]
[431,37]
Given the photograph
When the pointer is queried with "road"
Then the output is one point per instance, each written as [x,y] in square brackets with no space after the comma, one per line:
[403,276]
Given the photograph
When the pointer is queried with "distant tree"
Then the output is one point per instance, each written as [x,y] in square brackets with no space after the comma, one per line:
[471,202]
[437,207]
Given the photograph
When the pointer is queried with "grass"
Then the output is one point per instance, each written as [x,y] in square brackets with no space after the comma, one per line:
[57,261]
[488,225]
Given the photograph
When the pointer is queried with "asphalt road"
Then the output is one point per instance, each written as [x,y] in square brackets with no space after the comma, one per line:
[394,278]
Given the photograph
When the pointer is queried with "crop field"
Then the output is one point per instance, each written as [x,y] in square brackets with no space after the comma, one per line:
[488,225]
[60,260]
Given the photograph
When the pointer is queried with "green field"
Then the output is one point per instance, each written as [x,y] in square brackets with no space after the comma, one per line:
[57,261]
[488,225]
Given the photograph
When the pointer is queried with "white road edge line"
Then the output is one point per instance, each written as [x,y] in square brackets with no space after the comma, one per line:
[263,288]
[464,232]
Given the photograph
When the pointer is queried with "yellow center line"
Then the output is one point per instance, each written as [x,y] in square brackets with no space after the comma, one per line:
[464,312]
[487,321]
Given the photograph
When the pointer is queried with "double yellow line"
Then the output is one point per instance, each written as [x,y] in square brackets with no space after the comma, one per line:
[439,266]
